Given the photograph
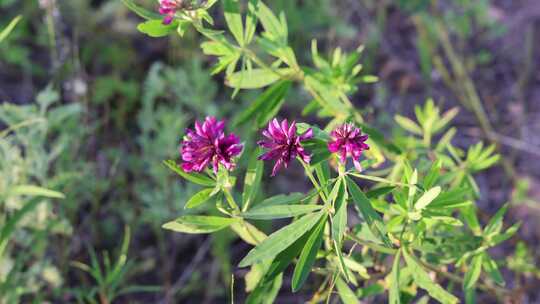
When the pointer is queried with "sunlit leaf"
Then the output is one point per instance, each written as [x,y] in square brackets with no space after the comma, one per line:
[199,223]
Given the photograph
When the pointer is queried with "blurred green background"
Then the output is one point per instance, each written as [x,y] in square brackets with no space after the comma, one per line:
[90,108]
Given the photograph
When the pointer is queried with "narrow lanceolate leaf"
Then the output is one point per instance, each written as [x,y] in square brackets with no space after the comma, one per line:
[272,95]
[199,223]
[252,180]
[283,199]
[394,297]
[196,178]
[308,255]
[234,20]
[346,295]
[265,292]
[32,190]
[285,258]
[375,193]
[6,31]
[255,78]
[342,264]
[495,224]
[199,198]
[491,268]
[251,21]
[142,12]
[9,227]
[408,124]
[427,198]
[372,218]
[279,211]
[473,274]
[339,221]
[280,240]
[248,233]
[422,279]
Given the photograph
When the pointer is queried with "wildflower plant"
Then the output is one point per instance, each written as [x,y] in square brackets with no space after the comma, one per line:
[400,221]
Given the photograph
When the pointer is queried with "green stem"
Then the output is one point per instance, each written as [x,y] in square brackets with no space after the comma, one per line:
[307,169]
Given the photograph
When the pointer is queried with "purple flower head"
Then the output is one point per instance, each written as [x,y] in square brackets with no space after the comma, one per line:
[207,145]
[168,9]
[347,140]
[283,144]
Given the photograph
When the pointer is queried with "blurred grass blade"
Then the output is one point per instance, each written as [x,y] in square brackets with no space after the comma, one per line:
[5,32]
[10,225]
[32,190]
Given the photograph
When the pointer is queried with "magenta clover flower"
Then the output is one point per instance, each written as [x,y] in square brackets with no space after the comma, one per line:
[207,145]
[347,140]
[284,144]
[168,9]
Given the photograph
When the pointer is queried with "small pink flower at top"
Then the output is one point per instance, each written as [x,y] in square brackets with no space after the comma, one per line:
[347,140]
[284,144]
[168,9]
[207,145]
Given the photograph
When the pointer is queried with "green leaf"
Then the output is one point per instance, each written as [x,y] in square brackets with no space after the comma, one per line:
[142,12]
[156,28]
[451,199]
[285,258]
[506,235]
[252,180]
[422,279]
[308,255]
[433,174]
[199,198]
[32,190]
[193,177]
[491,268]
[6,31]
[427,198]
[279,211]
[394,294]
[495,224]
[375,193]
[234,20]
[280,240]
[248,233]
[345,293]
[255,78]
[9,227]
[282,199]
[343,267]
[408,124]
[199,223]
[372,218]
[266,291]
[445,119]
[271,24]
[473,274]
[339,221]
[251,21]
[264,102]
